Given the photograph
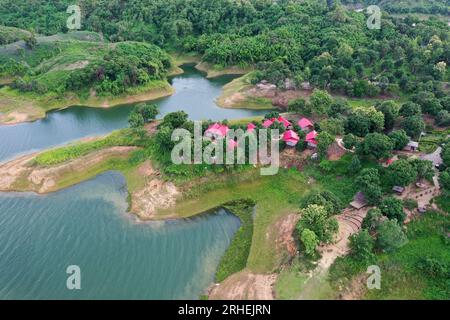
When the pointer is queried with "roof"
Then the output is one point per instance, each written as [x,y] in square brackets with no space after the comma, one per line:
[218,129]
[251,127]
[398,189]
[268,122]
[284,121]
[413,144]
[290,136]
[311,137]
[305,123]
[359,201]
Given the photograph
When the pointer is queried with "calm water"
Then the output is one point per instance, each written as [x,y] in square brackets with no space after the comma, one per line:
[87,225]
[194,94]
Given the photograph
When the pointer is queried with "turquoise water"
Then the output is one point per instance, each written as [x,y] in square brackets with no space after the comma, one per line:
[194,94]
[119,257]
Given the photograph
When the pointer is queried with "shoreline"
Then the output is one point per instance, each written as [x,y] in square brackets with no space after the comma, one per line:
[33,110]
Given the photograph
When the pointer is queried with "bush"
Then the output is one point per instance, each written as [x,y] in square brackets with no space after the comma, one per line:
[393,209]
[361,245]
[390,236]
[315,218]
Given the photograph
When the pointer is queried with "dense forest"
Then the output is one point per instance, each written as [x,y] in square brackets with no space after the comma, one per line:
[284,39]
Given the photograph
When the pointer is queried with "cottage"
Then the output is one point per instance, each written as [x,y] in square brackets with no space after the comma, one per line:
[412,146]
[291,138]
[359,201]
[284,121]
[311,139]
[399,190]
[305,124]
[217,131]
[268,122]
[251,127]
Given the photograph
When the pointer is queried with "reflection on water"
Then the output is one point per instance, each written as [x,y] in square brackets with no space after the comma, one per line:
[194,94]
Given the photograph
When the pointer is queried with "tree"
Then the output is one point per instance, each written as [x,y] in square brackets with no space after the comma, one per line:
[424,168]
[376,145]
[401,173]
[369,183]
[148,111]
[390,236]
[320,101]
[31,42]
[399,138]
[136,120]
[326,199]
[355,165]
[299,106]
[444,179]
[364,120]
[361,246]
[414,126]
[163,138]
[324,140]
[410,109]
[310,241]
[334,126]
[390,111]
[372,220]
[443,118]
[175,119]
[349,141]
[393,209]
[315,218]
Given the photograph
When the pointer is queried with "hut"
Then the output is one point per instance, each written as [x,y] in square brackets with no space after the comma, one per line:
[305,124]
[291,138]
[359,201]
[399,190]
[412,146]
[284,121]
[268,122]
[311,139]
[216,131]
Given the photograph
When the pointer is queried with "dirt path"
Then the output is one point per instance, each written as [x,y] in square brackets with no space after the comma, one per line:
[245,286]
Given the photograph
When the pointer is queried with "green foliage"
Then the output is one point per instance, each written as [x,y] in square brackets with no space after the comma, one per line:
[390,236]
[125,137]
[376,145]
[350,141]
[393,209]
[315,218]
[400,139]
[414,126]
[369,183]
[235,258]
[332,204]
[361,246]
[410,109]
[136,120]
[372,220]
[334,126]
[310,241]
[401,173]
[324,140]
[365,120]
[444,179]
[320,101]
[390,111]
[355,165]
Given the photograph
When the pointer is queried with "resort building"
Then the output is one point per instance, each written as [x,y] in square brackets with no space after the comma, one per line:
[216,131]
[311,139]
[291,138]
[359,201]
[306,124]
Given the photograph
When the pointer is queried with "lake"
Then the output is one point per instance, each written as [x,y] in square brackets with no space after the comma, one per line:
[193,93]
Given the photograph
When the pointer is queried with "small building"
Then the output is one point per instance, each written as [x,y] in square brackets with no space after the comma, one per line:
[268,122]
[399,190]
[305,124]
[412,146]
[251,127]
[311,139]
[422,210]
[284,121]
[359,201]
[216,131]
[291,138]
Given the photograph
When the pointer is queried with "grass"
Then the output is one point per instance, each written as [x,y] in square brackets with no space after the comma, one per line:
[52,157]
[236,256]
[290,283]
[401,278]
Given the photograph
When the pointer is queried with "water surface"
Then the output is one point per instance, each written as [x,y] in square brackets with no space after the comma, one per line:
[194,94]
[120,258]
